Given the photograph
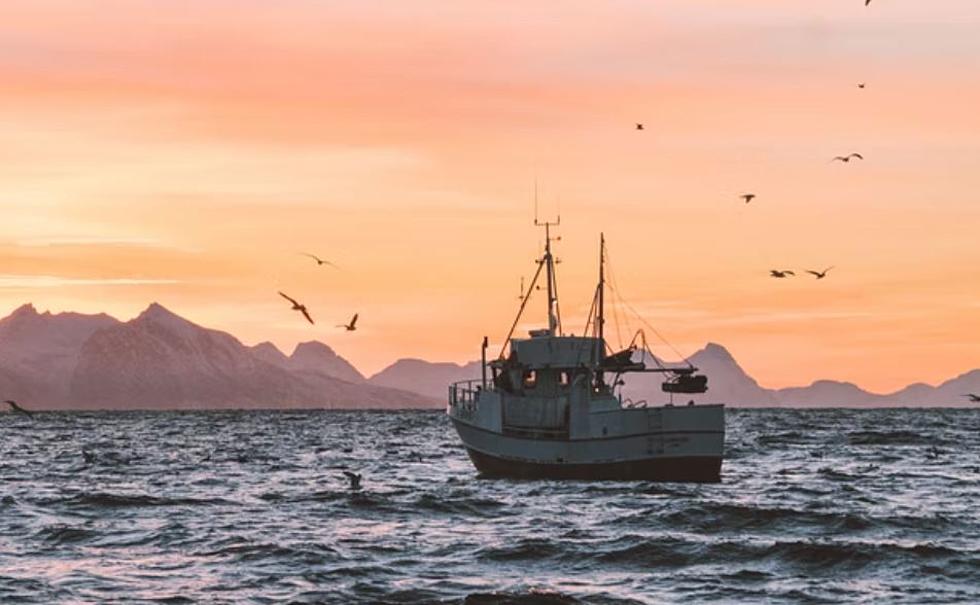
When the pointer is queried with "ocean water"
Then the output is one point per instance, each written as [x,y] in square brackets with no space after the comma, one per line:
[251,507]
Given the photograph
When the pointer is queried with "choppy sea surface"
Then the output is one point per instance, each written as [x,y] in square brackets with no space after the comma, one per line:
[251,507]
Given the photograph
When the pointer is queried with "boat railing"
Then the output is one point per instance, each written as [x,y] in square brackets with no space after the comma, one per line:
[466,392]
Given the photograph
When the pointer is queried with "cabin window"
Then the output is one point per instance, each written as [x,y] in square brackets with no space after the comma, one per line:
[564,379]
[530,379]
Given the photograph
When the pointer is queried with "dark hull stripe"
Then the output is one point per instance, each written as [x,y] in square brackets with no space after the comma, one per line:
[691,469]
[607,438]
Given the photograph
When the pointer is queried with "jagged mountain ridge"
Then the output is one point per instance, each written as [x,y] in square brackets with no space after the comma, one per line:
[160,360]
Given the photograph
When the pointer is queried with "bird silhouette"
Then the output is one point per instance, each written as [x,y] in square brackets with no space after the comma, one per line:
[780,274]
[861,85]
[14,407]
[748,197]
[847,158]
[298,307]
[350,327]
[320,261]
[972,397]
[639,126]
[354,479]
[867,2]
[819,274]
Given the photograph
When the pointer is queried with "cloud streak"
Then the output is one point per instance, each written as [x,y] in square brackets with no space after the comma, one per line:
[36,282]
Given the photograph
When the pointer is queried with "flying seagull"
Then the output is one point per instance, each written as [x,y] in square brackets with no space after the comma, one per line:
[298,307]
[780,274]
[320,261]
[355,480]
[16,408]
[847,158]
[748,197]
[861,85]
[639,126]
[973,398]
[351,326]
[819,274]
[867,2]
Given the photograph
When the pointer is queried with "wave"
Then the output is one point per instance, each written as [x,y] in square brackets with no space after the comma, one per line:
[853,555]
[466,506]
[523,550]
[733,517]
[64,534]
[308,553]
[785,438]
[892,438]
[670,551]
[534,597]
[111,500]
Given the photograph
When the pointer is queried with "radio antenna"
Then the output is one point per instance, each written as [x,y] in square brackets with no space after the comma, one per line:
[554,324]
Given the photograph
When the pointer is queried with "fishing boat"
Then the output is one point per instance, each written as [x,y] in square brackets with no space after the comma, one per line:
[551,405]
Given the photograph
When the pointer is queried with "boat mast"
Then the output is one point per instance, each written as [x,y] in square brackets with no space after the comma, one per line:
[548,260]
[600,319]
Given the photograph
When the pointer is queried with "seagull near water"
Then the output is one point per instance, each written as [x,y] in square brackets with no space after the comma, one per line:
[14,407]
[972,397]
[350,327]
[847,158]
[780,274]
[320,261]
[819,274]
[354,479]
[298,307]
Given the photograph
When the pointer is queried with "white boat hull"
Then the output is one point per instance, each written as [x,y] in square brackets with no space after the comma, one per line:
[657,444]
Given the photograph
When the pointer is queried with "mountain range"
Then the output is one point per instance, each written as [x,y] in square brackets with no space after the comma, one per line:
[160,360]
[730,384]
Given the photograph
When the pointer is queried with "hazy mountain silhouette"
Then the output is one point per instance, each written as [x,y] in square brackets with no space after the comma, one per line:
[311,356]
[729,383]
[266,351]
[38,351]
[425,377]
[160,360]
[314,356]
[844,394]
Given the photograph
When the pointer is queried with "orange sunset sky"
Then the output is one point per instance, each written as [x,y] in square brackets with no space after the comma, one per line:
[186,152]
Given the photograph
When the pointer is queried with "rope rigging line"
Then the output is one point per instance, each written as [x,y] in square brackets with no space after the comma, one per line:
[614,287]
[619,336]
[520,311]
[554,286]
[591,319]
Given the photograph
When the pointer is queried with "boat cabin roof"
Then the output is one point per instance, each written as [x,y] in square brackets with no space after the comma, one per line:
[546,351]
